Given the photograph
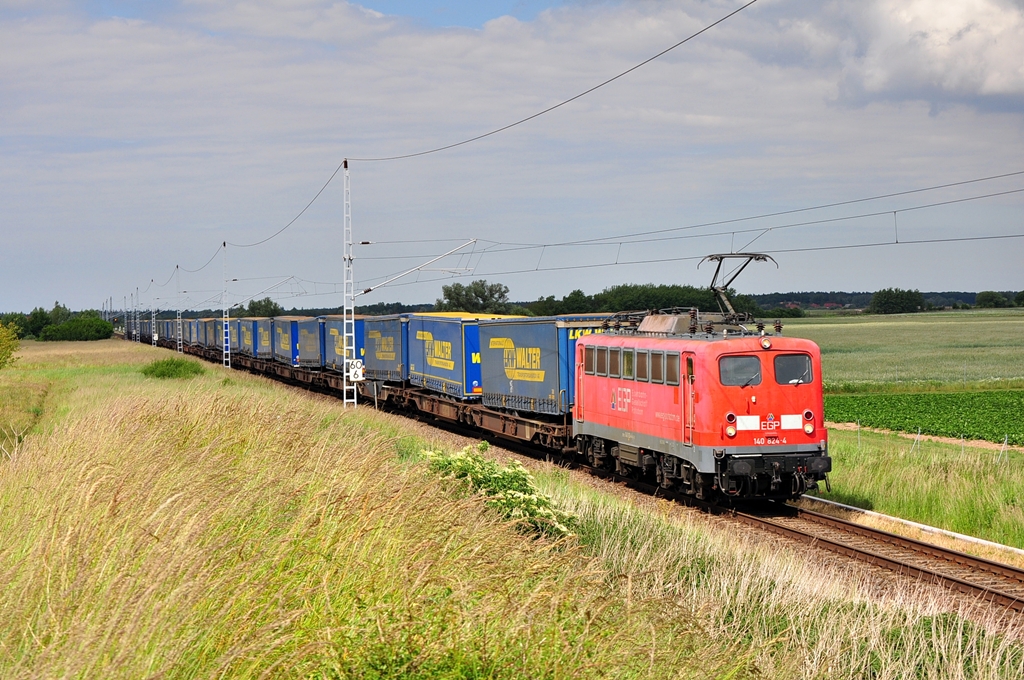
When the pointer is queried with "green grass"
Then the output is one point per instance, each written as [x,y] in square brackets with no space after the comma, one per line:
[993,416]
[939,351]
[789,616]
[235,528]
[21,407]
[173,368]
[962,489]
[241,529]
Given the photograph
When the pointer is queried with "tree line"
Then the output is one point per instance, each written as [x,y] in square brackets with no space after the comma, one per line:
[899,301]
[482,297]
[60,323]
[492,298]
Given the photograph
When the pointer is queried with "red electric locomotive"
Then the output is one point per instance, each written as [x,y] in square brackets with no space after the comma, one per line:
[720,412]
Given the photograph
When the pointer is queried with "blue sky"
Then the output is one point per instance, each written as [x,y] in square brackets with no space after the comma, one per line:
[436,13]
[138,136]
[465,13]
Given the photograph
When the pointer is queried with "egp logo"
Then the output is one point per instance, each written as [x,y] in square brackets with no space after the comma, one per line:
[621,399]
[521,363]
[439,352]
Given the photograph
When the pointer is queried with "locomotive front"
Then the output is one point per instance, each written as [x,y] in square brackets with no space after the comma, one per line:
[763,419]
[712,414]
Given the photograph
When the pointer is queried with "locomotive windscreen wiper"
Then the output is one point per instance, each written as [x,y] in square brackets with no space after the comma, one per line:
[801,380]
[751,379]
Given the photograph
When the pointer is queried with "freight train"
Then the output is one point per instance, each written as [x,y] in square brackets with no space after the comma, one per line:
[710,405]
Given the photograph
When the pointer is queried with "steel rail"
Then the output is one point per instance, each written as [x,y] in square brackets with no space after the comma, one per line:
[990,593]
[994,594]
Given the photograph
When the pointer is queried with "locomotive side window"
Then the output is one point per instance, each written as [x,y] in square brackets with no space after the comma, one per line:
[627,364]
[672,369]
[657,367]
[589,357]
[689,369]
[602,361]
[613,362]
[641,366]
[793,369]
[740,370]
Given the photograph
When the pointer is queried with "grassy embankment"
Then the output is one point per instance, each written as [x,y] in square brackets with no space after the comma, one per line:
[926,360]
[224,525]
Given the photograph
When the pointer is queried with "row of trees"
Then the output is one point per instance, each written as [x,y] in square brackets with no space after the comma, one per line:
[991,299]
[492,298]
[60,323]
[899,301]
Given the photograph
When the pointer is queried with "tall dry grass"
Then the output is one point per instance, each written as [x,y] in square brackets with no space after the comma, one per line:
[800,616]
[227,527]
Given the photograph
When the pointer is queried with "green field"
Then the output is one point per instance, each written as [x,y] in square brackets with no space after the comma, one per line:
[227,526]
[949,374]
[993,416]
[945,351]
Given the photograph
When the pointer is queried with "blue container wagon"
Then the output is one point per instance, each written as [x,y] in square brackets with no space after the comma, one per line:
[311,342]
[334,340]
[286,339]
[527,364]
[387,348]
[444,352]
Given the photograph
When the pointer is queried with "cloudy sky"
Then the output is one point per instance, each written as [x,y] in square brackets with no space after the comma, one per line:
[138,135]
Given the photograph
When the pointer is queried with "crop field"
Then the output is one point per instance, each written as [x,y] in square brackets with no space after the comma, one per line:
[993,416]
[937,351]
[224,525]
[949,374]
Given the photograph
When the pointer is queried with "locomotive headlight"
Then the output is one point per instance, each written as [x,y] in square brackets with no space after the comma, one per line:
[730,417]
[731,430]
[766,343]
[809,428]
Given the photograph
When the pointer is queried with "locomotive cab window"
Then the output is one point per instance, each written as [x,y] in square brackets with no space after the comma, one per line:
[627,364]
[657,367]
[739,371]
[602,361]
[672,369]
[641,366]
[793,369]
[613,362]
[589,357]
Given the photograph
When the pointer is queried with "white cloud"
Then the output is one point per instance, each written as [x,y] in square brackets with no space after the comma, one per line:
[144,143]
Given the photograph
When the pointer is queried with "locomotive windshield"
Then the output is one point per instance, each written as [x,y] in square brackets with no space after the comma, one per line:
[739,370]
[792,369]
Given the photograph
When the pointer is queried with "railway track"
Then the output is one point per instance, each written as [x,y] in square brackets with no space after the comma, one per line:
[998,584]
